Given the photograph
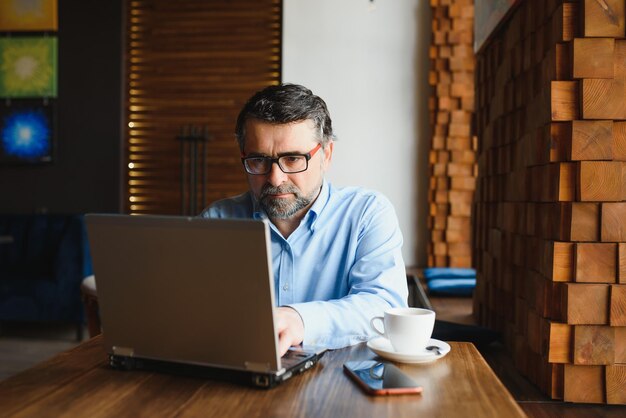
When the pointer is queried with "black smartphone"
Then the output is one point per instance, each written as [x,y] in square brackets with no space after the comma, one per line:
[381,378]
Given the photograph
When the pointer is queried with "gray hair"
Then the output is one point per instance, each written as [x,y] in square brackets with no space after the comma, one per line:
[282,104]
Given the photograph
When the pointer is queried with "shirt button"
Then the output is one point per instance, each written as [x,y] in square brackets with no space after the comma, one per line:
[285,287]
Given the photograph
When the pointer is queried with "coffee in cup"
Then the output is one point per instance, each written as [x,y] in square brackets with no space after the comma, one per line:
[408,329]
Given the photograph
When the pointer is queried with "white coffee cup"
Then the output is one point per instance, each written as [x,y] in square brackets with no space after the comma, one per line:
[408,329]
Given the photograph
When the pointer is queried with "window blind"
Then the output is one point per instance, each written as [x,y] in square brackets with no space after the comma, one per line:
[192,63]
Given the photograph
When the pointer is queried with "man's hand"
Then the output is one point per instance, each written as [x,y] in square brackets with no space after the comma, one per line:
[290,328]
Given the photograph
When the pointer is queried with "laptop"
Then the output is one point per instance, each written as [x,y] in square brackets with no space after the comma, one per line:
[190,296]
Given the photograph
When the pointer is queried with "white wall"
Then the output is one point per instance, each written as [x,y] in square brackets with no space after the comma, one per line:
[369,62]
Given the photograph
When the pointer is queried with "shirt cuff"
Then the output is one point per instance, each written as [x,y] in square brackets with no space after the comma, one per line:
[317,330]
[313,320]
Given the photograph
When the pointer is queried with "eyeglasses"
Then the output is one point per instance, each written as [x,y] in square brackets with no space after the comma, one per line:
[290,163]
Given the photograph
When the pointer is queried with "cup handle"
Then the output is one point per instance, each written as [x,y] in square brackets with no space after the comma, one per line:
[373,322]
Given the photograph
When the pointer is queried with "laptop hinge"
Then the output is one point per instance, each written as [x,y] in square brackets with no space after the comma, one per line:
[123,351]
[257,367]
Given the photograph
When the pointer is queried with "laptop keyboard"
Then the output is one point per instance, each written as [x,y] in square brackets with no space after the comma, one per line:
[292,358]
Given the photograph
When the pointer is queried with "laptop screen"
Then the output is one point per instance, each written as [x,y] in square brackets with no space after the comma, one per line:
[189,290]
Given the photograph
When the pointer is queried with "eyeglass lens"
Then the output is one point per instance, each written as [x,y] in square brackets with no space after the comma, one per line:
[287,163]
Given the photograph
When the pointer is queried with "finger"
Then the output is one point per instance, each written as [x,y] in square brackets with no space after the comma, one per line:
[281,324]
[284,342]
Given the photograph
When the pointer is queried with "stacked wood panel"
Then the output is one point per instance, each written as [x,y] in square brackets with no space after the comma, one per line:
[550,211]
[452,156]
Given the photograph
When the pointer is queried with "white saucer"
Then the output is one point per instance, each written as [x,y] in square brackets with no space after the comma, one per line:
[383,348]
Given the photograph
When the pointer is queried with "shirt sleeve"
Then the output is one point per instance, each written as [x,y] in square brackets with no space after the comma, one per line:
[377,282]
[236,207]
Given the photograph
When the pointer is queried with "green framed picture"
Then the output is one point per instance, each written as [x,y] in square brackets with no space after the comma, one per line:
[28,67]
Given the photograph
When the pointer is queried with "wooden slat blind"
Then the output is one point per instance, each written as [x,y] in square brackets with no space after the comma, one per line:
[192,62]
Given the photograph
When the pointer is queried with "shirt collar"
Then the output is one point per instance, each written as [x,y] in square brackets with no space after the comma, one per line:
[257,212]
[318,205]
[311,216]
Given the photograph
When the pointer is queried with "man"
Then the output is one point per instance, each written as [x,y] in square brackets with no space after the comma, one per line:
[335,252]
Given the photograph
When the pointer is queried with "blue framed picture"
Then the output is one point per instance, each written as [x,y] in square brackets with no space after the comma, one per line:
[27,132]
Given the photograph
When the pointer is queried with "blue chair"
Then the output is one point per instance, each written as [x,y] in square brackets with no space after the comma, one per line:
[43,260]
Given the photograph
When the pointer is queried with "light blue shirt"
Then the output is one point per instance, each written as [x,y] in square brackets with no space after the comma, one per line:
[341,266]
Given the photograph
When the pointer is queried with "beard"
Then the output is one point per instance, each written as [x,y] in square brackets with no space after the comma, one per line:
[284,208]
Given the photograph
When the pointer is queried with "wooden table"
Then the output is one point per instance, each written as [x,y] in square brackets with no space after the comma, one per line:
[79,383]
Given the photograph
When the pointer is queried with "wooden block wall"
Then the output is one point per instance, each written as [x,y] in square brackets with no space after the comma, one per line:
[452,156]
[550,213]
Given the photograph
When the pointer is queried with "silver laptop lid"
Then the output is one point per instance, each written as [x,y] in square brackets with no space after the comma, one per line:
[189,290]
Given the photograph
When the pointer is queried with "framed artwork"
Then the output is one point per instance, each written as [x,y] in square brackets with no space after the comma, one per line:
[28,67]
[27,132]
[28,15]
[487,16]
